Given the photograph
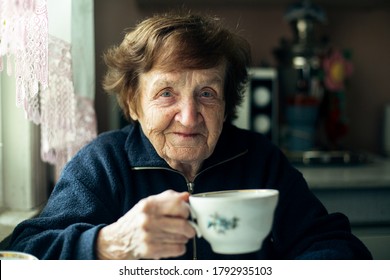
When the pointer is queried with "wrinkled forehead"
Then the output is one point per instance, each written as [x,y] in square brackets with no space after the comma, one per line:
[160,78]
[174,69]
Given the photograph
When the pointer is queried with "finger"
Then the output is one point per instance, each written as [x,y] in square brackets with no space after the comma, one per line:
[176,226]
[177,206]
[168,203]
[169,238]
[168,225]
[161,251]
[156,245]
[170,251]
[185,196]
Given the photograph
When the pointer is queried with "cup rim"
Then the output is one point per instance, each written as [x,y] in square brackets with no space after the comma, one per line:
[16,255]
[213,194]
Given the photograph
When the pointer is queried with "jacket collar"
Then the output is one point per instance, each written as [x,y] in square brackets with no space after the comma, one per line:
[141,152]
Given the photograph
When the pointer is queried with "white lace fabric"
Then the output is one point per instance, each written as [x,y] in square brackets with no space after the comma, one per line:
[68,121]
[44,82]
[23,37]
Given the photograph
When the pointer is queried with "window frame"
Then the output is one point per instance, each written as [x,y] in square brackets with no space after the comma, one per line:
[24,177]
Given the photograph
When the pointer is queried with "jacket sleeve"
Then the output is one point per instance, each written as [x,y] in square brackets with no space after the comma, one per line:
[83,201]
[65,229]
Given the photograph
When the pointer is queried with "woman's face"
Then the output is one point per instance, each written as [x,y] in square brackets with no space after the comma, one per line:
[182,113]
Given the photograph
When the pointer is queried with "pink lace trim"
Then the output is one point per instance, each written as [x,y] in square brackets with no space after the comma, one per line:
[24,35]
[68,121]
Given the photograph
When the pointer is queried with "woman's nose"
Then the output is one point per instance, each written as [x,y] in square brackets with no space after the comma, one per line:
[189,114]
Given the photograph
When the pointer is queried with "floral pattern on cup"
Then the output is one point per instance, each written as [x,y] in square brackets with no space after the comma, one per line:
[222,224]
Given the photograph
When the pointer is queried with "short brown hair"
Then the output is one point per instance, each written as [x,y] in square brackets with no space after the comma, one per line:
[185,41]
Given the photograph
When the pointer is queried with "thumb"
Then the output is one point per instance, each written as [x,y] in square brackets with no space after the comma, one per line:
[184,196]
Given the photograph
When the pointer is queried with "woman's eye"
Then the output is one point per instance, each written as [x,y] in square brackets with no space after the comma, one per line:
[206,94]
[166,94]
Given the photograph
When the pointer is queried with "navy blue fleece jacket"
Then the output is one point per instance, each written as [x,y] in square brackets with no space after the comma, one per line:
[111,174]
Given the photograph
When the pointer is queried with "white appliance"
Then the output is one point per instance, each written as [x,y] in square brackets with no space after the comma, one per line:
[259,110]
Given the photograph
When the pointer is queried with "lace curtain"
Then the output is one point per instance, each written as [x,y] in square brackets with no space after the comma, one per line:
[23,39]
[45,87]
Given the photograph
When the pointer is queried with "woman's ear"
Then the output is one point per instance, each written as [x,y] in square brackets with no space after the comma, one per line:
[132,108]
[133,114]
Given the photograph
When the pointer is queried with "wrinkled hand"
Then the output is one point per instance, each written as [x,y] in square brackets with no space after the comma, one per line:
[155,228]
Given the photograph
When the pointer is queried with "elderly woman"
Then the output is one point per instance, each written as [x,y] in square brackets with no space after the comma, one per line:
[178,79]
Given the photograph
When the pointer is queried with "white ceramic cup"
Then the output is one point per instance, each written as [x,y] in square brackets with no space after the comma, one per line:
[236,221]
[13,255]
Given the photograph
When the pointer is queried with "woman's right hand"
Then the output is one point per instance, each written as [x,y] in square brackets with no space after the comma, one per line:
[156,227]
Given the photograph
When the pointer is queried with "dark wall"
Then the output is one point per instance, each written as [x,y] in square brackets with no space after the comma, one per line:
[366,32]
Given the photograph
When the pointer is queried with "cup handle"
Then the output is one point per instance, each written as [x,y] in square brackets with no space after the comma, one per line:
[193,223]
[196,227]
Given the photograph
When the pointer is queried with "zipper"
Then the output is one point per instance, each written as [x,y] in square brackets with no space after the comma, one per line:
[191,185]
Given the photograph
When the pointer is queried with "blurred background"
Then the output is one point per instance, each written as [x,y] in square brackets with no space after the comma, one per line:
[361,27]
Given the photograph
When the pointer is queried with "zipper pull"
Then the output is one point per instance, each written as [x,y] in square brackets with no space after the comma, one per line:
[190,186]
